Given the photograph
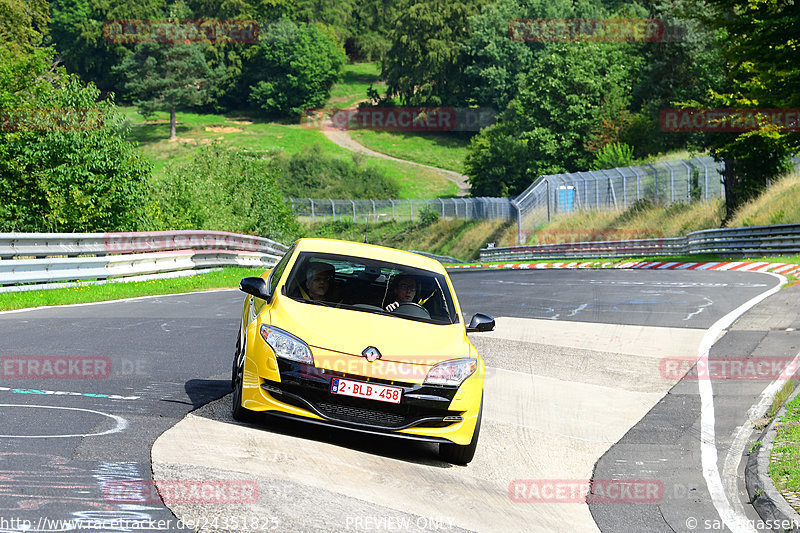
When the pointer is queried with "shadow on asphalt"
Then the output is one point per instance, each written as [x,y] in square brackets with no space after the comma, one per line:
[411,451]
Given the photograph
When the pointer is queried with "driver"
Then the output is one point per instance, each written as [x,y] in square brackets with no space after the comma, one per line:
[404,290]
[318,281]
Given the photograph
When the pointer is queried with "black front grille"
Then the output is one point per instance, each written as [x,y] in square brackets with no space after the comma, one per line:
[361,415]
[310,388]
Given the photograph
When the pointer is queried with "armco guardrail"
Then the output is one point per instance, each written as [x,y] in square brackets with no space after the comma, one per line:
[780,239]
[48,257]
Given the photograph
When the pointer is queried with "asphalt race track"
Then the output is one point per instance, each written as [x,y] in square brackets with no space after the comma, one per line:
[577,389]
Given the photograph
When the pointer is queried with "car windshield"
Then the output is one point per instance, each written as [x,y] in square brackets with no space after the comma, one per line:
[371,286]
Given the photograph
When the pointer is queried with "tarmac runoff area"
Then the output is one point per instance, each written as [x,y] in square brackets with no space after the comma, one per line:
[558,394]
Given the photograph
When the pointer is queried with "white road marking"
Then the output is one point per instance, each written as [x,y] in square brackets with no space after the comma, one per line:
[733,518]
[121,423]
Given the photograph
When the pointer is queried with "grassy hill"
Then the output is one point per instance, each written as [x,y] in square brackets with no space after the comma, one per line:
[249,132]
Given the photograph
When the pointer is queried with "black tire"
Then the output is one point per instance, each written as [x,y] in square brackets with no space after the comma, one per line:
[237,411]
[462,454]
[235,364]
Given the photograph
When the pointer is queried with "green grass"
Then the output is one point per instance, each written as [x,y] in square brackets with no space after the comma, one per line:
[356,79]
[442,150]
[241,131]
[784,465]
[226,278]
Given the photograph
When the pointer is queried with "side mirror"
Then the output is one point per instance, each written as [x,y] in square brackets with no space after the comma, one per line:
[480,322]
[254,286]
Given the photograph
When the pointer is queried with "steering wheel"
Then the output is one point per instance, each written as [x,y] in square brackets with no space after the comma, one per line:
[412,309]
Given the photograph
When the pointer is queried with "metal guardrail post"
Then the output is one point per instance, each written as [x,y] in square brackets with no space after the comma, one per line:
[655,182]
[596,190]
[671,181]
[624,189]
[519,222]
[638,183]
[689,171]
[705,168]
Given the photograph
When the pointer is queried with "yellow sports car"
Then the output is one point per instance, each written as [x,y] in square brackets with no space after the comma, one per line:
[365,338]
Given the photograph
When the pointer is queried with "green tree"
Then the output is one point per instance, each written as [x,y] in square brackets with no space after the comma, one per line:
[425,63]
[760,47]
[545,129]
[495,65]
[23,23]
[76,28]
[65,163]
[296,67]
[166,77]
[373,20]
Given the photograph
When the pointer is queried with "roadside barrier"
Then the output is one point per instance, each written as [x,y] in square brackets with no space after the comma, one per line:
[50,257]
[782,239]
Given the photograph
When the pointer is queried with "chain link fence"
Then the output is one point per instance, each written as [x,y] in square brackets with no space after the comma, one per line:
[316,210]
[663,182]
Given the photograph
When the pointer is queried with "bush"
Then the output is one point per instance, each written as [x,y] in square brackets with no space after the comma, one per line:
[613,155]
[296,67]
[65,164]
[313,174]
[227,190]
[427,217]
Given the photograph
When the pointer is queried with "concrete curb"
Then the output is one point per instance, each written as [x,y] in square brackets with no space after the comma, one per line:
[768,502]
[786,269]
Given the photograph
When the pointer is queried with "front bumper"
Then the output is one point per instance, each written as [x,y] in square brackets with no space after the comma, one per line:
[426,412]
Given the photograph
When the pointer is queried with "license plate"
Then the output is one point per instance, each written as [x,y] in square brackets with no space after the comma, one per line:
[370,391]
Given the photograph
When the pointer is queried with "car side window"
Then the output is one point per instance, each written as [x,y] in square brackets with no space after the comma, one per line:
[277,272]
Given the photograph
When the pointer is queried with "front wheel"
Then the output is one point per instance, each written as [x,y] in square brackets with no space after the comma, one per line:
[462,454]
[237,411]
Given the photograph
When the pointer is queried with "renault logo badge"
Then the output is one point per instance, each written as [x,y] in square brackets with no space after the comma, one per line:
[371,353]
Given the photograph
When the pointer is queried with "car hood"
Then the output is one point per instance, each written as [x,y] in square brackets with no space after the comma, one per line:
[350,332]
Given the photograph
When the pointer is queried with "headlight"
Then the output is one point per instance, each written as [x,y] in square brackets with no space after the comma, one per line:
[286,345]
[451,372]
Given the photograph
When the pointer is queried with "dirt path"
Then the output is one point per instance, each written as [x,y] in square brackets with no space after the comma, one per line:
[343,139]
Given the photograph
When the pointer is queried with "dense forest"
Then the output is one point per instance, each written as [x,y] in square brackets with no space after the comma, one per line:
[561,104]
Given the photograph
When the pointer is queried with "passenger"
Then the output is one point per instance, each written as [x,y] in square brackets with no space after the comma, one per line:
[319,278]
[404,290]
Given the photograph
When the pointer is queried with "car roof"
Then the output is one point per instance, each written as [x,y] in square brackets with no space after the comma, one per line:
[370,251]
